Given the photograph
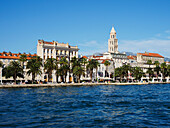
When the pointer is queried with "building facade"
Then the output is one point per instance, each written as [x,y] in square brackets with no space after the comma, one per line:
[55,50]
[144,57]
[7,57]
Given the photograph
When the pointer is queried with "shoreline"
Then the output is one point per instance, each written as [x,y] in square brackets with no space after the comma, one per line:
[75,84]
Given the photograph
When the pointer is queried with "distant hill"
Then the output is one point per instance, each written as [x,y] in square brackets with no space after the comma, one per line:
[167,59]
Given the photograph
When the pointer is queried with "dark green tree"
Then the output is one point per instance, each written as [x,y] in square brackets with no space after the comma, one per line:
[14,69]
[90,66]
[164,69]
[107,63]
[34,67]
[78,71]
[64,68]
[137,73]
[49,66]
[23,59]
[157,69]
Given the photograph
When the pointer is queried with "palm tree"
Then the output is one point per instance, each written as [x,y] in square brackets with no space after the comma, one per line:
[107,63]
[34,66]
[14,69]
[126,69]
[90,66]
[168,69]
[50,65]
[23,58]
[164,69]
[78,71]
[157,68]
[137,73]
[1,65]
[74,62]
[119,73]
[57,70]
[96,65]
[149,62]
[150,72]
[84,62]
[64,67]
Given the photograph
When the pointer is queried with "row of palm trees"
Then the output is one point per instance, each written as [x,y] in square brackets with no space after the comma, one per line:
[77,67]
[137,72]
[63,68]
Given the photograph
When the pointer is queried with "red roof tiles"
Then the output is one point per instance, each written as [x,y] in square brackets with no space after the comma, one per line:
[85,57]
[151,54]
[132,57]
[5,55]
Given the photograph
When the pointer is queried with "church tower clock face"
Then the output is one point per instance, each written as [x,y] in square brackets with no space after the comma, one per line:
[113,42]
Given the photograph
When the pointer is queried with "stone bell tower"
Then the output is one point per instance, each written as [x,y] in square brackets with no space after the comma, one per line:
[113,42]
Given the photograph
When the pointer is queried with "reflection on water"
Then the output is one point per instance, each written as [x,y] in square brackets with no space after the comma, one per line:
[86,106]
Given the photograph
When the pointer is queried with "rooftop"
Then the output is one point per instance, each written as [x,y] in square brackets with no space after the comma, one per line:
[9,55]
[151,54]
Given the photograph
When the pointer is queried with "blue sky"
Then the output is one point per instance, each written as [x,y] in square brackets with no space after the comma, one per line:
[141,25]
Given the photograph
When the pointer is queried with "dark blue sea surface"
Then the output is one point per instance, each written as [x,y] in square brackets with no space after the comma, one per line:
[86,106]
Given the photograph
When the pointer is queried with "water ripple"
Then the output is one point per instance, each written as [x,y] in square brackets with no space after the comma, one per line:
[86,106]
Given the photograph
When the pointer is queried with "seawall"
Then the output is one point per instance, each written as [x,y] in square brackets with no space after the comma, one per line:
[74,84]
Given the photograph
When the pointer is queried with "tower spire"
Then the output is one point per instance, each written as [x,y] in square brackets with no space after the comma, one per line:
[113,42]
[113,30]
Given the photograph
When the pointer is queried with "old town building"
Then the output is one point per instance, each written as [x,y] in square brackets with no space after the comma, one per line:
[7,57]
[56,50]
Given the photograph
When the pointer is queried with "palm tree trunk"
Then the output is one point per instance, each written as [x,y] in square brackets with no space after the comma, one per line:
[57,77]
[91,71]
[96,74]
[33,78]
[65,77]
[15,76]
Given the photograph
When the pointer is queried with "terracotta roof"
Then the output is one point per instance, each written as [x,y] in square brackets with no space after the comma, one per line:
[48,42]
[96,56]
[5,55]
[104,60]
[132,57]
[151,54]
[45,42]
[85,57]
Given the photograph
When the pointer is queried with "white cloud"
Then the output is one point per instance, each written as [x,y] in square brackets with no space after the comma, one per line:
[158,35]
[89,43]
[167,31]
[91,47]
[152,45]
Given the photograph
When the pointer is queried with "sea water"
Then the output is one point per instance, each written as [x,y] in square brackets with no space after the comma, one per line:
[86,106]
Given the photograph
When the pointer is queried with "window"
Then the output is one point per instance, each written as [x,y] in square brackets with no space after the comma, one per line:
[112,36]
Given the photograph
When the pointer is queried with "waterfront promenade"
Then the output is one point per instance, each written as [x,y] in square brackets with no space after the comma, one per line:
[75,84]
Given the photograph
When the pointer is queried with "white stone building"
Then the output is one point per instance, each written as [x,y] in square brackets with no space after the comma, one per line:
[113,42]
[56,50]
[113,54]
[7,57]
[144,57]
